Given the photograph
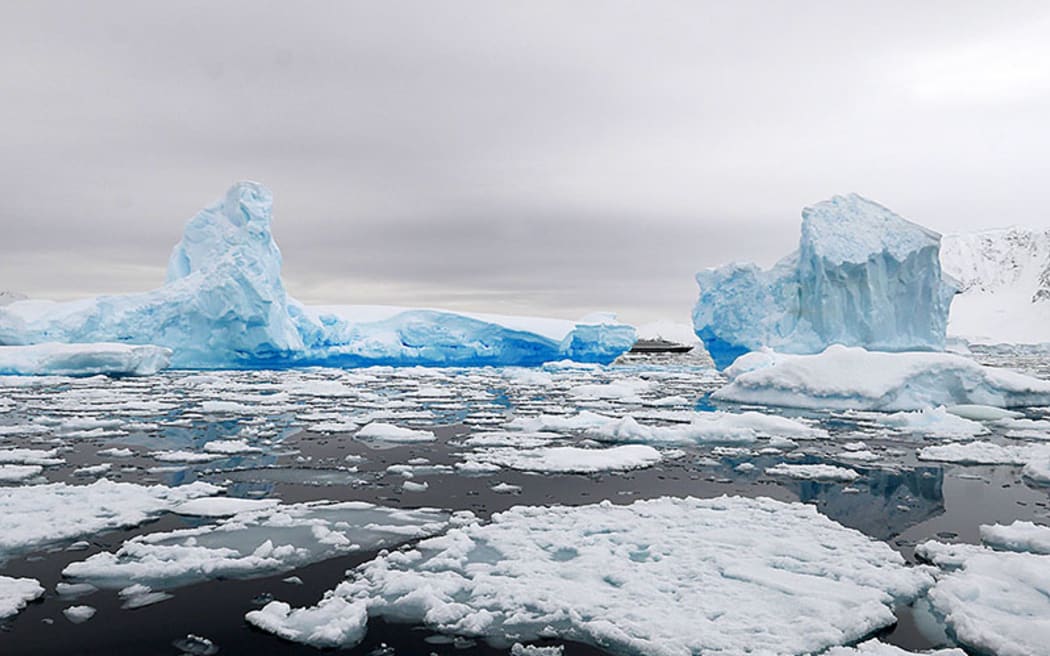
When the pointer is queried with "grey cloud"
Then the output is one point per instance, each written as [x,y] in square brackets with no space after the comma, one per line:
[545,156]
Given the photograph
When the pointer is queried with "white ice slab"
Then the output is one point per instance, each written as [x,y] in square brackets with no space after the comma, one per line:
[16,593]
[665,576]
[843,378]
[83,359]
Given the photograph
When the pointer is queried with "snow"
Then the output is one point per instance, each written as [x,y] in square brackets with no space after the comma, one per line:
[844,378]
[230,447]
[17,473]
[83,359]
[1004,280]
[79,614]
[814,472]
[666,577]
[570,459]
[382,432]
[333,623]
[692,427]
[254,542]
[982,412]
[224,305]
[862,276]
[992,601]
[16,593]
[1037,471]
[935,422]
[986,453]
[42,514]
[876,648]
[221,506]
[518,649]
[1019,536]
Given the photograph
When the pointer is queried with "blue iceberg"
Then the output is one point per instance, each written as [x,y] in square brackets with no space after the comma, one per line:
[862,276]
[224,305]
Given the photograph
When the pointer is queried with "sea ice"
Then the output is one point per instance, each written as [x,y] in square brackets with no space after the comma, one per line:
[382,432]
[877,648]
[1019,536]
[253,543]
[844,378]
[862,276]
[16,593]
[40,514]
[986,453]
[83,359]
[18,473]
[992,601]
[79,614]
[814,472]
[935,422]
[570,459]
[691,427]
[667,576]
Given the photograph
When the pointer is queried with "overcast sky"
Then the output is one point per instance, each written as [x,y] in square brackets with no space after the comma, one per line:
[534,157]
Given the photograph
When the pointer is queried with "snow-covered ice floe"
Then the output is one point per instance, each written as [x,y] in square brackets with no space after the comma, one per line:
[83,359]
[666,576]
[862,276]
[16,593]
[224,305]
[986,453]
[814,472]
[254,543]
[568,459]
[843,378]
[877,648]
[691,427]
[995,601]
[41,514]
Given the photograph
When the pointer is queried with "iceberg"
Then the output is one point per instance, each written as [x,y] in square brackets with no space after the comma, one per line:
[862,276]
[224,306]
[83,359]
[665,576]
[844,378]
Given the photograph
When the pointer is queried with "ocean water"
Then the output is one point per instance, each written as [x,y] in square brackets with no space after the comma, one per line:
[297,431]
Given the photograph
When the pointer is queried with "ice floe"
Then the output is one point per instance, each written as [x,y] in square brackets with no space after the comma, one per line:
[253,543]
[16,593]
[814,472]
[995,602]
[569,459]
[83,359]
[665,576]
[41,514]
[843,378]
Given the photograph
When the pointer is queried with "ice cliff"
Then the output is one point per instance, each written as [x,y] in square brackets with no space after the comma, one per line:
[862,276]
[1004,278]
[224,305]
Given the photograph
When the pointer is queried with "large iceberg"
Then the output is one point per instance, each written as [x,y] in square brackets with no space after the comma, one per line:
[862,276]
[224,305]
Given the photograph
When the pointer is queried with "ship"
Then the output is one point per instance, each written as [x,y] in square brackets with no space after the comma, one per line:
[659,346]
